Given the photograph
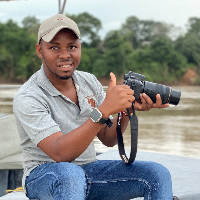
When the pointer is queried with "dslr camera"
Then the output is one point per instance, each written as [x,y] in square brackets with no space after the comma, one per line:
[139,85]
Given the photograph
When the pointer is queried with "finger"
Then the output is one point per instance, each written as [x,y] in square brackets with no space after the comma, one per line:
[128,91]
[126,87]
[131,98]
[142,103]
[158,100]
[147,99]
[158,103]
[112,80]
[162,106]
[142,99]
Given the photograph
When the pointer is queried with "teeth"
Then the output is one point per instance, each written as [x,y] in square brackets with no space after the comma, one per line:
[66,66]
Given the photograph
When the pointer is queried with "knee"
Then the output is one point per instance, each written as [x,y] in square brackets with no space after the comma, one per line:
[160,174]
[69,172]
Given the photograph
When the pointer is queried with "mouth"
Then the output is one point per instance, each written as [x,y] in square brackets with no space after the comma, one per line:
[66,66]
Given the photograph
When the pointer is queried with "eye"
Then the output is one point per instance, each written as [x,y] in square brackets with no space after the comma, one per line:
[54,47]
[72,47]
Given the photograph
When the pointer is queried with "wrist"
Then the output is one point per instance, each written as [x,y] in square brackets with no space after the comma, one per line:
[104,112]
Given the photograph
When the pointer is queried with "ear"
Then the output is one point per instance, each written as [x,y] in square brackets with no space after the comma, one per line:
[39,50]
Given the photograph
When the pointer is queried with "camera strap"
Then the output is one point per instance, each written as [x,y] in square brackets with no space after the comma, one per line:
[134,137]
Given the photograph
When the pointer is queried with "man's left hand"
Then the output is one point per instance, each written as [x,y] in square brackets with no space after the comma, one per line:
[145,103]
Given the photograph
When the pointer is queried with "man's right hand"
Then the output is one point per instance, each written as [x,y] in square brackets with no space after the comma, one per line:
[118,98]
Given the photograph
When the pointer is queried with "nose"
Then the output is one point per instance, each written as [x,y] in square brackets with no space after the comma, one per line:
[64,54]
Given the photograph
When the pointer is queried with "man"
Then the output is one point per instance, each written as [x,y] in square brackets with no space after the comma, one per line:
[60,110]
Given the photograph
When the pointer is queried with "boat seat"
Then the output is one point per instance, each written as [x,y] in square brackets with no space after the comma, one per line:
[11,169]
[10,151]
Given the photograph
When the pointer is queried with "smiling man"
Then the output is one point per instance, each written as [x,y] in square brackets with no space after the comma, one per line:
[60,110]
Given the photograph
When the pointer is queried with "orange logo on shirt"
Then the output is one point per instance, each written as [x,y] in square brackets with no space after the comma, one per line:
[91,101]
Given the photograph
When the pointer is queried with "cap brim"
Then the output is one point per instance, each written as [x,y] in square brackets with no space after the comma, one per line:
[50,35]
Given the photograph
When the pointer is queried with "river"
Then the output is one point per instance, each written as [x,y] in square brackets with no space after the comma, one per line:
[173,130]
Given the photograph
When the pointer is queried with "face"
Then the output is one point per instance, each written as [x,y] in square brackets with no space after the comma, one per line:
[61,56]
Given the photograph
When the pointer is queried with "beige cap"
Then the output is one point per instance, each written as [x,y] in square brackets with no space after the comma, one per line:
[50,27]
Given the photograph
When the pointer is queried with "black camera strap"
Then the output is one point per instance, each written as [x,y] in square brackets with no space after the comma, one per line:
[134,137]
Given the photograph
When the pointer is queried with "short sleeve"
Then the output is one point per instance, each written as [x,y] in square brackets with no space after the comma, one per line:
[33,115]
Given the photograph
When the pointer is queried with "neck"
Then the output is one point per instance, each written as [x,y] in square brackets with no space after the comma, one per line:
[63,85]
[59,83]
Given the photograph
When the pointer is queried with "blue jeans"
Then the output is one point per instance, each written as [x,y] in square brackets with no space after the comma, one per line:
[103,179]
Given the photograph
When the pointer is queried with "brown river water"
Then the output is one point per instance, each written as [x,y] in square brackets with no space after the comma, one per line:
[174,130]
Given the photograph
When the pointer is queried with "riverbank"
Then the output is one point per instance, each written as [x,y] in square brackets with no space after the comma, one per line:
[190,78]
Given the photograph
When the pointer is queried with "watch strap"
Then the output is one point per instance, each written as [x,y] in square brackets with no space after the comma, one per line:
[102,120]
[106,121]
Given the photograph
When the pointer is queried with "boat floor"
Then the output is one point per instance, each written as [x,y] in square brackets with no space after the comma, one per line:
[184,171]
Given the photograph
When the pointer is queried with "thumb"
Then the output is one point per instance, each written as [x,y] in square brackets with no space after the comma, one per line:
[112,80]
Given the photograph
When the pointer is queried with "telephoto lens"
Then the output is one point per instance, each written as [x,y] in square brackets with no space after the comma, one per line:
[139,85]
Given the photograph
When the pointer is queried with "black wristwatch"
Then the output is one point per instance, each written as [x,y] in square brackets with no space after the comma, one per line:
[96,116]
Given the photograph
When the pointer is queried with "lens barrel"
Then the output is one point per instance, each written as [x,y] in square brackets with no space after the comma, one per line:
[167,94]
[174,97]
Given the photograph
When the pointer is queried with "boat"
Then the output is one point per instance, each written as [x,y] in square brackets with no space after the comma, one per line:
[184,170]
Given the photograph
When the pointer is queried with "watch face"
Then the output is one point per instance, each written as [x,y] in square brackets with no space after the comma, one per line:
[96,115]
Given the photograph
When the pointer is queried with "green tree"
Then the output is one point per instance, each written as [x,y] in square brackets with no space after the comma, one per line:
[144,30]
[189,46]
[89,27]
[173,63]
[31,24]
[116,52]
[159,62]
[18,49]
[6,64]
[194,26]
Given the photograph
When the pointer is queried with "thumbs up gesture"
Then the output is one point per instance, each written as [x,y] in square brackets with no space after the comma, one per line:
[118,98]
[112,80]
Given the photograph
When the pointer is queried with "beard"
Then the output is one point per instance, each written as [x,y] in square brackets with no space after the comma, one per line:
[62,77]
[55,73]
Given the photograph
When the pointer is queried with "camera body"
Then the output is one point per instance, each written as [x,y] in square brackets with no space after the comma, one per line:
[137,83]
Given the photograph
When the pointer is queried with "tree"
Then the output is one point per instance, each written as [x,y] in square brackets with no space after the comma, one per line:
[159,62]
[116,52]
[189,46]
[30,21]
[31,24]
[194,26]
[17,52]
[89,27]
[173,63]
[6,64]
[144,30]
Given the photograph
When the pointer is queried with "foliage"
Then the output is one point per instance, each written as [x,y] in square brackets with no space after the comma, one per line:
[139,31]
[194,26]
[189,46]
[88,26]
[31,25]
[116,51]
[142,46]
[17,51]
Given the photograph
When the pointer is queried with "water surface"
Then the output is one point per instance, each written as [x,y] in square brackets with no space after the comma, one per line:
[174,130]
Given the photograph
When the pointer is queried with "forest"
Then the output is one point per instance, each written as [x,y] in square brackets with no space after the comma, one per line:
[155,49]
